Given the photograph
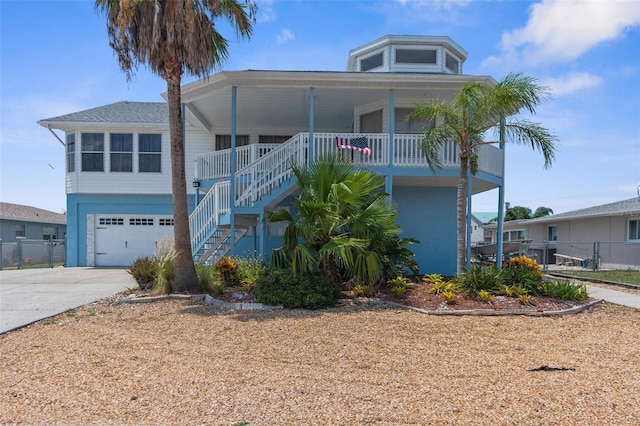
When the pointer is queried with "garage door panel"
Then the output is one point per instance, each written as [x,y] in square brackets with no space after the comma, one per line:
[121,239]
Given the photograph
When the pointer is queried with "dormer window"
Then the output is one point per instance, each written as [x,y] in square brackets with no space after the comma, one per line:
[452,64]
[415,56]
[371,62]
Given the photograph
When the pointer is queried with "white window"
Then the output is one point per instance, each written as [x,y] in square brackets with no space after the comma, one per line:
[71,152]
[634,230]
[371,62]
[515,235]
[150,153]
[121,148]
[415,56]
[452,63]
[402,126]
[224,141]
[552,233]
[93,152]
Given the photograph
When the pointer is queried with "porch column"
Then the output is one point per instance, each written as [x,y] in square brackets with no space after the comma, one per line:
[311,108]
[262,243]
[388,180]
[232,205]
[392,124]
[500,200]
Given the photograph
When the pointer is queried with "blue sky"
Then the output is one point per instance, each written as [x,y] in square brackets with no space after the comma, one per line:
[55,59]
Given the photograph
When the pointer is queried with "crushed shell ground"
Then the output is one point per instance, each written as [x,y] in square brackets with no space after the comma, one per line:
[176,362]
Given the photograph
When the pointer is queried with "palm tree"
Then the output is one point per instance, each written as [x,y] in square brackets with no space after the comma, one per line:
[345,222]
[477,108]
[172,37]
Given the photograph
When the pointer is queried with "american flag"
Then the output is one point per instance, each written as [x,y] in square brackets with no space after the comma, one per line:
[359,144]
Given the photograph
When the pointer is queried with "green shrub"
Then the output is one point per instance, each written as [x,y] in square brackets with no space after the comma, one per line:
[143,271]
[485,296]
[282,287]
[248,272]
[565,290]
[479,278]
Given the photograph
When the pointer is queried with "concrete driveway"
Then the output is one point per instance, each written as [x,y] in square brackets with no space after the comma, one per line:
[29,295]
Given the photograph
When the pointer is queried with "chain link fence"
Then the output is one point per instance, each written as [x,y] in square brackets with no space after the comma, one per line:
[32,254]
[584,255]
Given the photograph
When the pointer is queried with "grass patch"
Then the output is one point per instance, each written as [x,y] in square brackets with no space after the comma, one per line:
[626,276]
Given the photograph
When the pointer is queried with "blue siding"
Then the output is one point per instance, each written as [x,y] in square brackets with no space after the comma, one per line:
[79,206]
[429,215]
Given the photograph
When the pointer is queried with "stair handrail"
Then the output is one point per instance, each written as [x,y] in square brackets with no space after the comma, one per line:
[268,172]
[206,216]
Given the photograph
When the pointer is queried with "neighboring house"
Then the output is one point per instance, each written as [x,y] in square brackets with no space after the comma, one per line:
[31,223]
[611,231]
[480,233]
[243,129]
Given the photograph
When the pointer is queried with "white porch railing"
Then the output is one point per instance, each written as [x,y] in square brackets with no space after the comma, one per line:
[217,164]
[262,168]
[205,217]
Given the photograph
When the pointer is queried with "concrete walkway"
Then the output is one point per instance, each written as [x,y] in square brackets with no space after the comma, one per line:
[29,295]
[613,296]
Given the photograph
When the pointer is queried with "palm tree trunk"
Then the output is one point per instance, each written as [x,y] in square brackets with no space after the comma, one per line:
[461,215]
[185,273]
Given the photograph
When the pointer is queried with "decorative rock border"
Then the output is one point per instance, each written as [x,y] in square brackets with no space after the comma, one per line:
[492,312]
[242,306]
[249,306]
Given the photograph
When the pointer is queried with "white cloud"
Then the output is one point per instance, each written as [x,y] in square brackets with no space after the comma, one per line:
[285,36]
[572,82]
[266,12]
[562,30]
[434,4]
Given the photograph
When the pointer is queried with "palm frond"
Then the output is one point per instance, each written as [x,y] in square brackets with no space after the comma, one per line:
[525,132]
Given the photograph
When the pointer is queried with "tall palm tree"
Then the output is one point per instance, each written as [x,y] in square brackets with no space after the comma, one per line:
[345,222]
[172,37]
[476,109]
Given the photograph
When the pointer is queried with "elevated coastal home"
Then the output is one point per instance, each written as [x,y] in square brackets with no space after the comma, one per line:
[244,129]
[607,236]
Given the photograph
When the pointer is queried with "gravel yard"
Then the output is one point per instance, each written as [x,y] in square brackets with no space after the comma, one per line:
[175,362]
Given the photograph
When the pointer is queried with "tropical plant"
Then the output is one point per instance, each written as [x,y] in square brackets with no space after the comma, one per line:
[399,285]
[171,38]
[524,272]
[479,278]
[227,268]
[564,289]
[397,259]
[477,108]
[345,222]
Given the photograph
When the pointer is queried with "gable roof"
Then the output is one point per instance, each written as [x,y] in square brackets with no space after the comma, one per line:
[630,207]
[484,217]
[118,112]
[22,213]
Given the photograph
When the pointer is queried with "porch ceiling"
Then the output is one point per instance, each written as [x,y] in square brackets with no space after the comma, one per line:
[275,100]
